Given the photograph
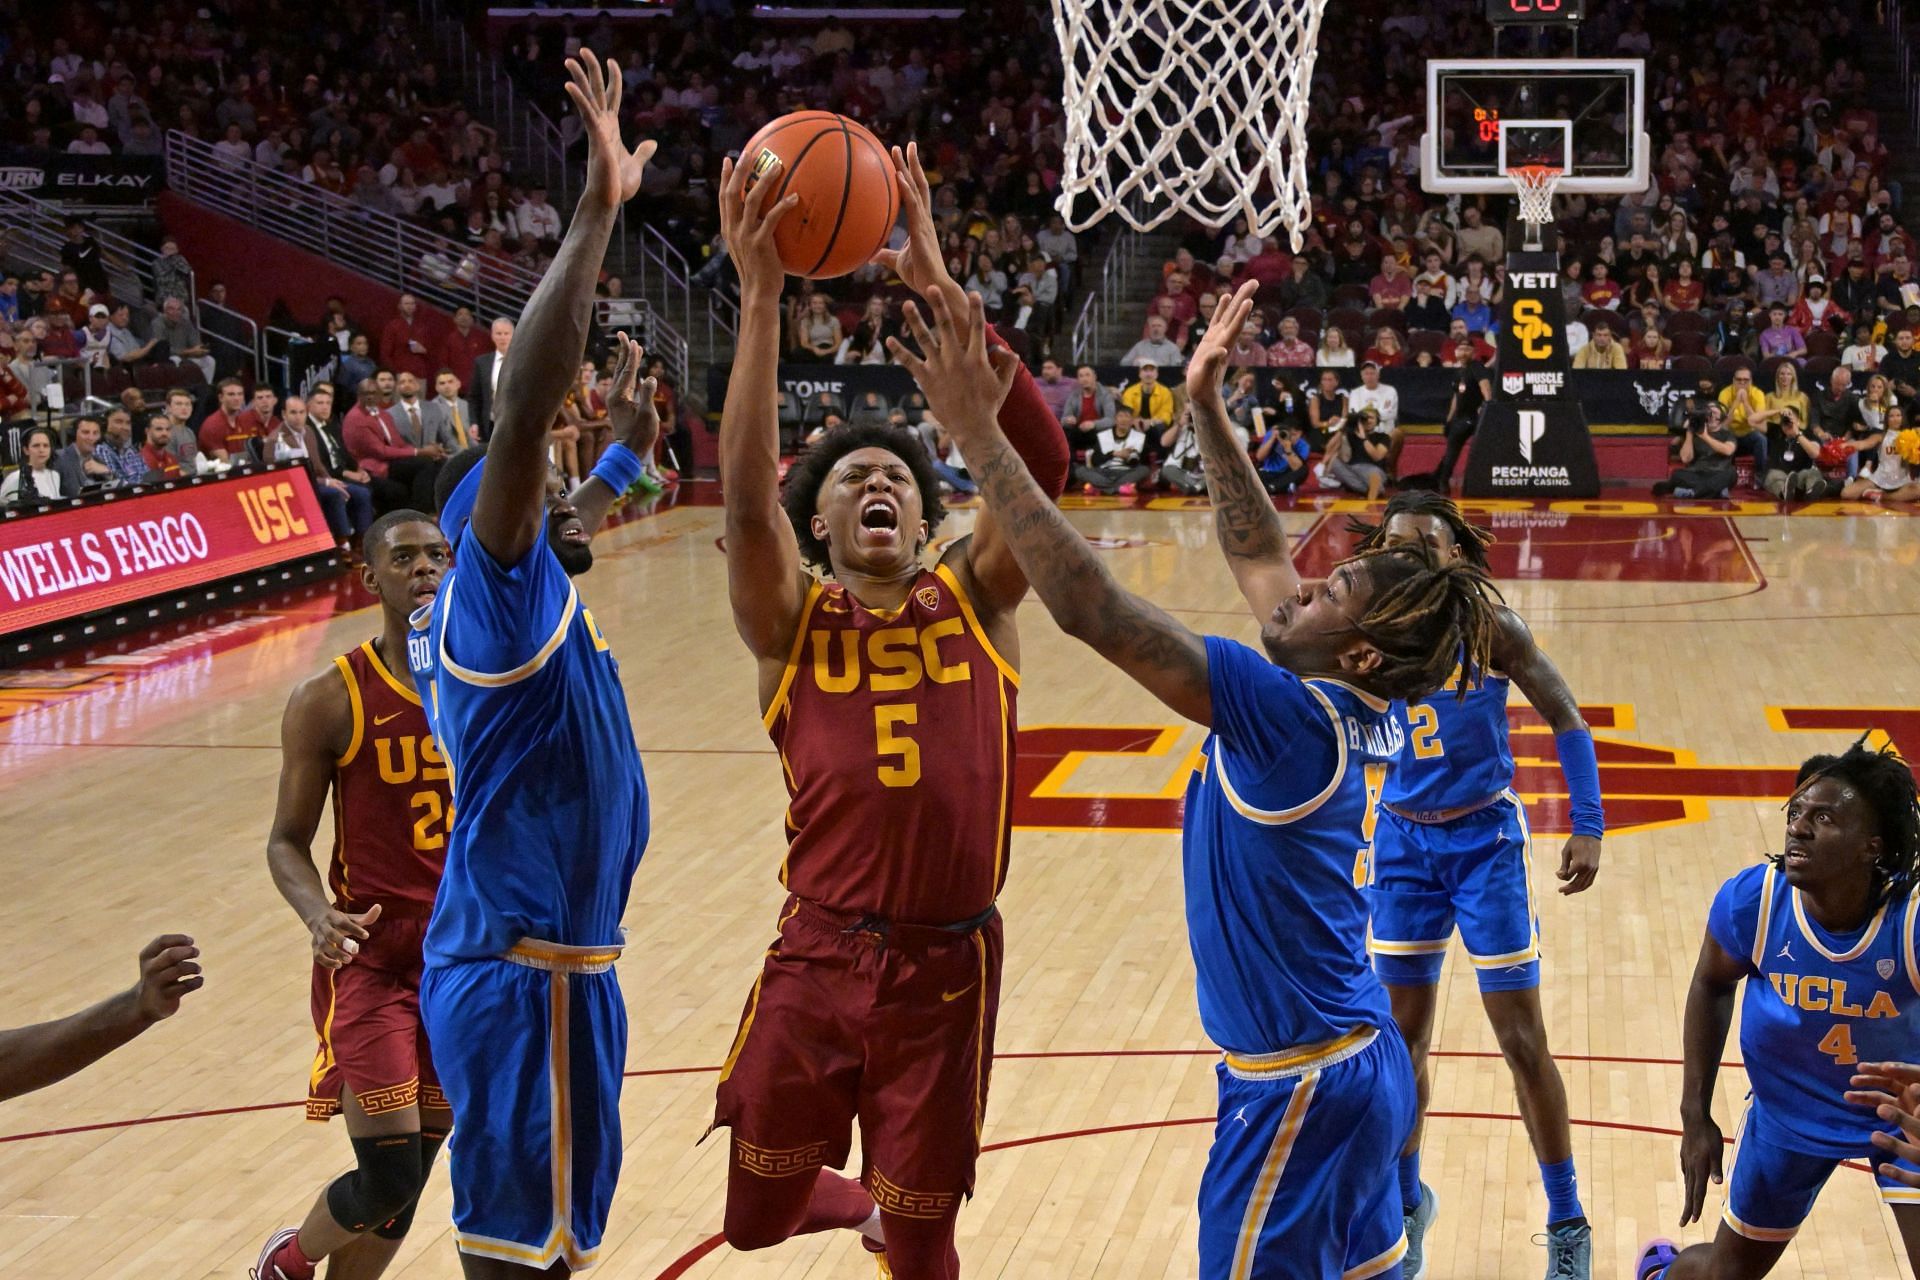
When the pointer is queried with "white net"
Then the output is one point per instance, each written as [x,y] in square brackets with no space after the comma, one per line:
[1534,184]
[1188,106]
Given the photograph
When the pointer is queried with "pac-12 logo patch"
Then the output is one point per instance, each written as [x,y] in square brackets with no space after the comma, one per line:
[928,596]
[1884,968]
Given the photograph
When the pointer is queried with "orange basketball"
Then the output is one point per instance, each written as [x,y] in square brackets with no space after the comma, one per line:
[844,178]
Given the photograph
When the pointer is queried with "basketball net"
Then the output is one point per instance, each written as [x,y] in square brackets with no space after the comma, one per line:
[1187,106]
[1534,185]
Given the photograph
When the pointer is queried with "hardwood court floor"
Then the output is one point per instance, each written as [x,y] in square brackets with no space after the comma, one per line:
[1715,652]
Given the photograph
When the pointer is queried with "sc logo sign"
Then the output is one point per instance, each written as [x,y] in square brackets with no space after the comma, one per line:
[1531,327]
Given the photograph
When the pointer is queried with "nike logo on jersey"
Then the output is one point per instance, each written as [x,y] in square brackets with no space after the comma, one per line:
[950,996]
[380,720]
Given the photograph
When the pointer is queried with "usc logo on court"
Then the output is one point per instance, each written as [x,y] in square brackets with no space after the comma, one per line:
[895,658]
[1531,327]
[273,513]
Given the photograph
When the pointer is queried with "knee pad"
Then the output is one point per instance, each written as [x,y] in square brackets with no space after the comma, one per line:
[396,1227]
[388,1179]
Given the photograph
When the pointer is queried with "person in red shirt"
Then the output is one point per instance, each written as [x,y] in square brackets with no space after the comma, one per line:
[406,344]
[1600,291]
[259,418]
[401,475]
[466,344]
[1393,287]
[156,453]
[221,433]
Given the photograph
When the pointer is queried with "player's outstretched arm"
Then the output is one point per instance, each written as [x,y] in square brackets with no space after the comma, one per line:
[1030,426]
[1716,976]
[765,582]
[552,335]
[635,420]
[1244,519]
[1516,654]
[964,379]
[1892,1089]
[37,1056]
[315,731]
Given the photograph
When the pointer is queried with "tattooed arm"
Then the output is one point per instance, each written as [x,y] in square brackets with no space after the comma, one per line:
[965,381]
[1243,515]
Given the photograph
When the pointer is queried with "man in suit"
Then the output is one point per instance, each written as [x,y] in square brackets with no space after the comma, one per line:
[447,406]
[348,504]
[486,376]
[403,474]
[421,423]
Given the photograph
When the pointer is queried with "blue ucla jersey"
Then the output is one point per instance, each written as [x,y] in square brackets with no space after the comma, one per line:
[1457,750]
[1277,825]
[549,800]
[1816,1004]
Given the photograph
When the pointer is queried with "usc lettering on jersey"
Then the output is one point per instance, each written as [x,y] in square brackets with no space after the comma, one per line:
[896,735]
[392,800]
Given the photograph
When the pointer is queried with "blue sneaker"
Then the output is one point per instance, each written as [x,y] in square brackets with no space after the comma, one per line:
[1654,1259]
[1414,1263]
[1570,1251]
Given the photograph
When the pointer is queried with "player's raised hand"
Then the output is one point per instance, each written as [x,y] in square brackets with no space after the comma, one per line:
[631,410]
[337,936]
[1701,1149]
[919,264]
[750,211]
[1579,864]
[1892,1089]
[613,172]
[964,378]
[1207,368]
[169,969]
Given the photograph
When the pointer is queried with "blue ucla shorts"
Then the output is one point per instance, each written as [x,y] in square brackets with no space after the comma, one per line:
[1772,1189]
[1300,1181]
[530,1051]
[1473,871]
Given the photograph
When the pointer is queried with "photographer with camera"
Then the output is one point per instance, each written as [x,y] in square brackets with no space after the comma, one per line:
[1706,458]
[1793,451]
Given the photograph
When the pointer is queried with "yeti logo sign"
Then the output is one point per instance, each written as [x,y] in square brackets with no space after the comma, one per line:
[1533,425]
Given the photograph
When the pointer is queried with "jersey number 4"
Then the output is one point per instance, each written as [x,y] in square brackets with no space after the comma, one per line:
[1425,723]
[1838,1045]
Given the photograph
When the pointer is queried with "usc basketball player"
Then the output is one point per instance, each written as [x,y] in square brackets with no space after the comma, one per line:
[889,689]
[357,730]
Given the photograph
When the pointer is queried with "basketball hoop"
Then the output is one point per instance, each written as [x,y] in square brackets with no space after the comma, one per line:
[1534,185]
[1187,106]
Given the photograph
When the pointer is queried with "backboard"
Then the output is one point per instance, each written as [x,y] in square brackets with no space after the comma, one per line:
[1485,115]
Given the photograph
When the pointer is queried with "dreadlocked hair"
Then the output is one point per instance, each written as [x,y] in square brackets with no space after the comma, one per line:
[1426,618]
[1883,779]
[802,496]
[1472,539]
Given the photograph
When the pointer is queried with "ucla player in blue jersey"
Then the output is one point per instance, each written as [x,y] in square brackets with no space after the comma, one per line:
[1316,1090]
[518,993]
[1825,936]
[1451,847]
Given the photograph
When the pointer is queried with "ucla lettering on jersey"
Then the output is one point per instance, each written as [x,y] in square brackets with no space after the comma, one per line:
[1458,752]
[1816,1004]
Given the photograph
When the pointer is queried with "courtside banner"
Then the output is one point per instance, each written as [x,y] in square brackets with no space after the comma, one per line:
[78,560]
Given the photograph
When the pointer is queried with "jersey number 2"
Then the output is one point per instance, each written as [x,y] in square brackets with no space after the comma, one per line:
[889,743]
[1838,1045]
[1425,722]
[426,804]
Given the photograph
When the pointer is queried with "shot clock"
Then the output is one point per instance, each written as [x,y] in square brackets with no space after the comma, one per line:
[1513,13]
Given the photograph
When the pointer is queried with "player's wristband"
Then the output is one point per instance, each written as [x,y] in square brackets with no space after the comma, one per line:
[1581,768]
[619,467]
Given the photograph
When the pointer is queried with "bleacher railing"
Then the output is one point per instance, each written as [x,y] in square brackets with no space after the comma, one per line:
[1895,16]
[638,319]
[238,350]
[1112,291]
[35,230]
[661,269]
[527,135]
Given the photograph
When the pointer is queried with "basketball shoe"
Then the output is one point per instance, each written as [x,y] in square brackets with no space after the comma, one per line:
[1414,1262]
[281,1259]
[1570,1251]
[1654,1259]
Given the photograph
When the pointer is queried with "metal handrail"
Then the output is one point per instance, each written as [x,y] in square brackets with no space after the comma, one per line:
[35,230]
[658,254]
[723,315]
[638,318]
[444,272]
[216,341]
[528,134]
[1086,328]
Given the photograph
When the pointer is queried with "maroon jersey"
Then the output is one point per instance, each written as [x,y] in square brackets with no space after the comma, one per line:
[392,804]
[896,732]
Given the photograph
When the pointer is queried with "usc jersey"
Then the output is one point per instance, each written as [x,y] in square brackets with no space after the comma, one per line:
[392,802]
[896,735]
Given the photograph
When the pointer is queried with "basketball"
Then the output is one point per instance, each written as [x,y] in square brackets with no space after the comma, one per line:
[844,178]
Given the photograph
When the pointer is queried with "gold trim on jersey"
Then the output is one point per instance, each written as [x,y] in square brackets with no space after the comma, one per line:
[1301,1059]
[1000,828]
[1371,702]
[946,575]
[781,694]
[393,681]
[1758,956]
[1271,1171]
[1813,939]
[489,680]
[1279,817]
[557,957]
[359,713]
[1907,942]
[1531,952]
[1376,1265]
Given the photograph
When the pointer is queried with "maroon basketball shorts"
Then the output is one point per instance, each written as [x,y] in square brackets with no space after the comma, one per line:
[368,1017]
[855,1019]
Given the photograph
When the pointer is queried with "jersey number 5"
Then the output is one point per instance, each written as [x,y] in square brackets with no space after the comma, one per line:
[889,743]
[1425,722]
